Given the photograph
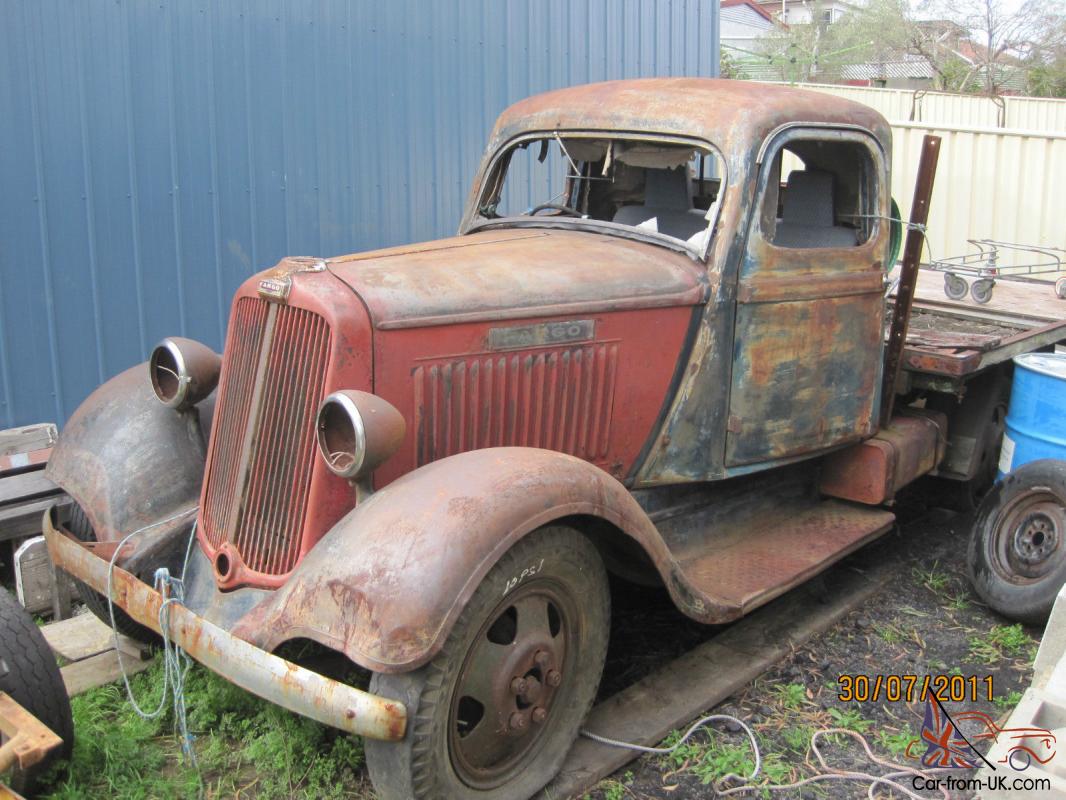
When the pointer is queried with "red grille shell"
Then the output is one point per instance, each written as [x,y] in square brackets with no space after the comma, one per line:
[262,451]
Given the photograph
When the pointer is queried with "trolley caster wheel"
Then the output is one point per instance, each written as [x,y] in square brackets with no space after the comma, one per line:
[1060,288]
[981,291]
[954,286]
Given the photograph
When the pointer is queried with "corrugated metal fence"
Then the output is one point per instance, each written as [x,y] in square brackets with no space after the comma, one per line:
[992,182]
[155,154]
[973,111]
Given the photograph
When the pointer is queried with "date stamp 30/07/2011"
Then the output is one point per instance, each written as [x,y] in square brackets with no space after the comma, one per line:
[909,688]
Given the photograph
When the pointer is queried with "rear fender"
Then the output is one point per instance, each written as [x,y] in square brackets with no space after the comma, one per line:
[127,459]
[387,583]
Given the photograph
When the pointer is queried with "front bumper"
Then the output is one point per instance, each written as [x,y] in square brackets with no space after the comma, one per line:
[261,673]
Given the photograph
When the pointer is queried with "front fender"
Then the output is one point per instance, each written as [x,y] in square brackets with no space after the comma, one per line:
[386,584]
[128,460]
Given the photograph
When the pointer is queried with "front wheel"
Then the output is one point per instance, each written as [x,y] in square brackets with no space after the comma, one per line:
[494,714]
[1017,555]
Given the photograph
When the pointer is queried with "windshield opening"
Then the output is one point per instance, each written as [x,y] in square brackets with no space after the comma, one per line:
[654,187]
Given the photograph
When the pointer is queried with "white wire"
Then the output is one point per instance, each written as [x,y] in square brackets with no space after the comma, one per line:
[888,780]
[176,662]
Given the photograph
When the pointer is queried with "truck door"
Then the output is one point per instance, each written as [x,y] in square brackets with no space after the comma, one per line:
[808,341]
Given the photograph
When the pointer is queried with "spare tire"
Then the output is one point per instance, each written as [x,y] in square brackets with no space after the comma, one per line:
[1017,554]
[29,673]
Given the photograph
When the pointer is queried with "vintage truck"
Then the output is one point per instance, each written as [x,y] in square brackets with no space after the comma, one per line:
[655,348]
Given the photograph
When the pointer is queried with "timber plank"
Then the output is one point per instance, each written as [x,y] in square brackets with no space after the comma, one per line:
[647,711]
[98,670]
[27,438]
[25,486]
[24,519]
[83,636]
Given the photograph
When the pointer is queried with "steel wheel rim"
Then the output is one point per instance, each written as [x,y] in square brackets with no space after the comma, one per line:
[489,750]
[1028,543]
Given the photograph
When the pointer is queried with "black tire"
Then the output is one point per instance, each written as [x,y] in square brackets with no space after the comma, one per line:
[28,672]
[80,526]
[1017,554]
[436,760]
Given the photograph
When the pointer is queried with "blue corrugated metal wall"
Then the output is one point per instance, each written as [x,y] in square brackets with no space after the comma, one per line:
[154,154]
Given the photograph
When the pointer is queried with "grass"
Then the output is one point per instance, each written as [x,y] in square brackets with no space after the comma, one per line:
[1006,702]
[891,634]
[894,742]
[850,719]
[932,578]
[615,790]
[243,744]
[1001,642]
[790,695]
[711,760]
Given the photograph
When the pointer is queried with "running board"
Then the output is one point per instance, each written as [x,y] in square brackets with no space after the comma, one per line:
[754,560]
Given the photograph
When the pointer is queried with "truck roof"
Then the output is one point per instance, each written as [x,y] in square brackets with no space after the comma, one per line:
[733,115]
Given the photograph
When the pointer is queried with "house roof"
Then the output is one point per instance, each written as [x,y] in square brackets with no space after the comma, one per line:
[750,4]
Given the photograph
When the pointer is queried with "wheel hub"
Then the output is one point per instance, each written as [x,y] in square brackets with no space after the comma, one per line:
[511,678]
[1029,538]
[1035,539]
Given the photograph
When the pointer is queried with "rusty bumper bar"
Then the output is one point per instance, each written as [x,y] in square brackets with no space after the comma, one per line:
[261,673]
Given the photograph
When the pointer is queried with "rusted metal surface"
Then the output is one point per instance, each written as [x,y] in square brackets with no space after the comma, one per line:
[268,496]
[912,256]
[501,275]
[512,681]
[127,459]
[268,676]
[959,358]
[733,115]
[556,398]
[28,739]
[257,484]
[422,545]
[755,558]
[458,393]
[873,471]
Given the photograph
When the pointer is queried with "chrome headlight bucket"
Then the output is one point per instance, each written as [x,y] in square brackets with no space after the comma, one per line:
[183,372]
[357,432]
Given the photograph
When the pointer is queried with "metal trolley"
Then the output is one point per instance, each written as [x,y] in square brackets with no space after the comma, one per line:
[983,267]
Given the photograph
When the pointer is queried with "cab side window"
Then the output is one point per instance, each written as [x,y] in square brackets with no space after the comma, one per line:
[819,194]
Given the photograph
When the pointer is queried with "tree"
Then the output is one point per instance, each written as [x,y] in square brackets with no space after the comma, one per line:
[1046,61]
[969,45]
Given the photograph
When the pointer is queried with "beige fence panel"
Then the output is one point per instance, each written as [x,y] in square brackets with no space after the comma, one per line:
[990,184]
[905,105]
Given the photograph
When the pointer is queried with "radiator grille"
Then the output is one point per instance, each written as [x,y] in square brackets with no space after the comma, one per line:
[267,495]
[228,432]
[556,399]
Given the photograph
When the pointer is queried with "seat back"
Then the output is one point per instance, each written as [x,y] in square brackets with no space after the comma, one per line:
[807,215]
[667,202]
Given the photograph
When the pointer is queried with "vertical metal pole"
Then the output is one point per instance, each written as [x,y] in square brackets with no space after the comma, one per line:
[908,277]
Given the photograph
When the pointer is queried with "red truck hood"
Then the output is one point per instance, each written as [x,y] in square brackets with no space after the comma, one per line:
[517,273]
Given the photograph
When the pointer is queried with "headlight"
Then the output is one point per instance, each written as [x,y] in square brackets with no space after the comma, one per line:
[357,432]
[183,372]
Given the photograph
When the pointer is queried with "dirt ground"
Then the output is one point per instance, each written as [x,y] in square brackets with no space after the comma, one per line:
[926,621]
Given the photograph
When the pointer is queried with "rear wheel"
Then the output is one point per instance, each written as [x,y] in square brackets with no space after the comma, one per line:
[1017,555]
[494,714]
[80,526]
[28,672]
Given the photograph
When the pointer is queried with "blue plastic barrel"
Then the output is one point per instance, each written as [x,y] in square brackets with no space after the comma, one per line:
[1036,420]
